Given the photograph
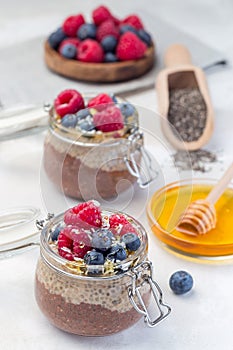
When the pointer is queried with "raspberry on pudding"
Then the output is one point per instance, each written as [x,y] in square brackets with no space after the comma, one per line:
[108,49]
[83,276]
[68,101]
[87,145]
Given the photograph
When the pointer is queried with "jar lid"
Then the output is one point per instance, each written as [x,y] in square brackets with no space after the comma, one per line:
[17,230]
[110,245]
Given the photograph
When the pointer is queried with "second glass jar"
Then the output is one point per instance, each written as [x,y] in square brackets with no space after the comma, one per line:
[88,165]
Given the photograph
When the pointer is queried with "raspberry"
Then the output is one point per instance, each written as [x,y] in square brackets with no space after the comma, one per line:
[101,14]
[64,253]
[100,100]
[72,24]
[110,119]
[84,215]
[134,21]
[117,219]
[81,243]
[73,41]
[107,28]
[64,238]
[116,20]
[128,228]
[120,225]
[65,244]
[68,102]
[90,51]
[130,47]
[73,242]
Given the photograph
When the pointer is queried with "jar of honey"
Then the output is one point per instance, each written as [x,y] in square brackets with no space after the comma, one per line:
[166,206]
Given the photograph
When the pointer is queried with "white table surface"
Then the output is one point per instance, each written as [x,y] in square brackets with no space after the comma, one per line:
[201,319]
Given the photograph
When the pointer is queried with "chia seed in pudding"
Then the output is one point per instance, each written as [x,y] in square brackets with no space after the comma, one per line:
[87,164]
[82,295]
[87,172]
[89,308]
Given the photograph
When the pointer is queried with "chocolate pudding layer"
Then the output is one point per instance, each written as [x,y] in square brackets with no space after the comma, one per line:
[83,171]
[86,306]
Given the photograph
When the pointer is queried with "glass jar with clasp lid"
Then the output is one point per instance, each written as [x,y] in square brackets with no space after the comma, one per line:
[86,162]
[90,280]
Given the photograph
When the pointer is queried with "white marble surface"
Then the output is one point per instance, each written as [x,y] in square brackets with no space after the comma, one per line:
[200,320]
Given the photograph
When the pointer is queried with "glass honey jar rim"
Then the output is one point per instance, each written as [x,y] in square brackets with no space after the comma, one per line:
[72,268]
[182,245]
[93,138]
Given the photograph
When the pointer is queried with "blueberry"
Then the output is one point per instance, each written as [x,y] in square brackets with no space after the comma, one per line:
[94,258]
[82,114]
[127,109]
[109,43]
[102,240]
[117,253]
[110,57]
[56,38]
[68,51]
[87,30]
[181,282]
[69,121]
[131,241]
[127,28]
[145,37]
[114,98]
[55,233]
[86,125]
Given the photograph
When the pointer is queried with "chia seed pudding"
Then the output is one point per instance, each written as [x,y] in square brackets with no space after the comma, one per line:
[85,160]
[85,271]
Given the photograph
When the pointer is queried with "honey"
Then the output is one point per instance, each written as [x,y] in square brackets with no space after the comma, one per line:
[168,204]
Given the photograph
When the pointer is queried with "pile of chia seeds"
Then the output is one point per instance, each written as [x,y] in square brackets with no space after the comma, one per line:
[198,160]
[187,113]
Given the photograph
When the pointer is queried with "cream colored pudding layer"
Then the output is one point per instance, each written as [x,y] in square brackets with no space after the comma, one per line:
[111,294]
[108,155]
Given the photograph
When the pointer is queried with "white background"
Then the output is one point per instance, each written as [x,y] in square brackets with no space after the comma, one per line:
[201,319]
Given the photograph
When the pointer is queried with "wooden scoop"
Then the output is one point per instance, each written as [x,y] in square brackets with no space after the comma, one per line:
[180,73]
[200,216]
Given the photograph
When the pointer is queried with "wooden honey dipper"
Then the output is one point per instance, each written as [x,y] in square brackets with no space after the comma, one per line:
[200,215]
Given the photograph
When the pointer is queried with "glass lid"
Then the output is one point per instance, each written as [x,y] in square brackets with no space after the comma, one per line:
[17,229]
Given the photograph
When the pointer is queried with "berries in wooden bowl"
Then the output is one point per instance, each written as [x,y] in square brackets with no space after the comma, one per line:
[106,50]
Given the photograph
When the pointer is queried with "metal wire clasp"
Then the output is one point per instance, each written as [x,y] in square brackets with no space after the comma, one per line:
[141,275]
[41,223]
[146,174]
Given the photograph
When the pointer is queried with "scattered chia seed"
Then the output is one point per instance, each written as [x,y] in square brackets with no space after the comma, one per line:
[196,160]
[187,113]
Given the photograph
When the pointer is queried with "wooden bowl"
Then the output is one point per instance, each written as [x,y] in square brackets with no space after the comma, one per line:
[98,72]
